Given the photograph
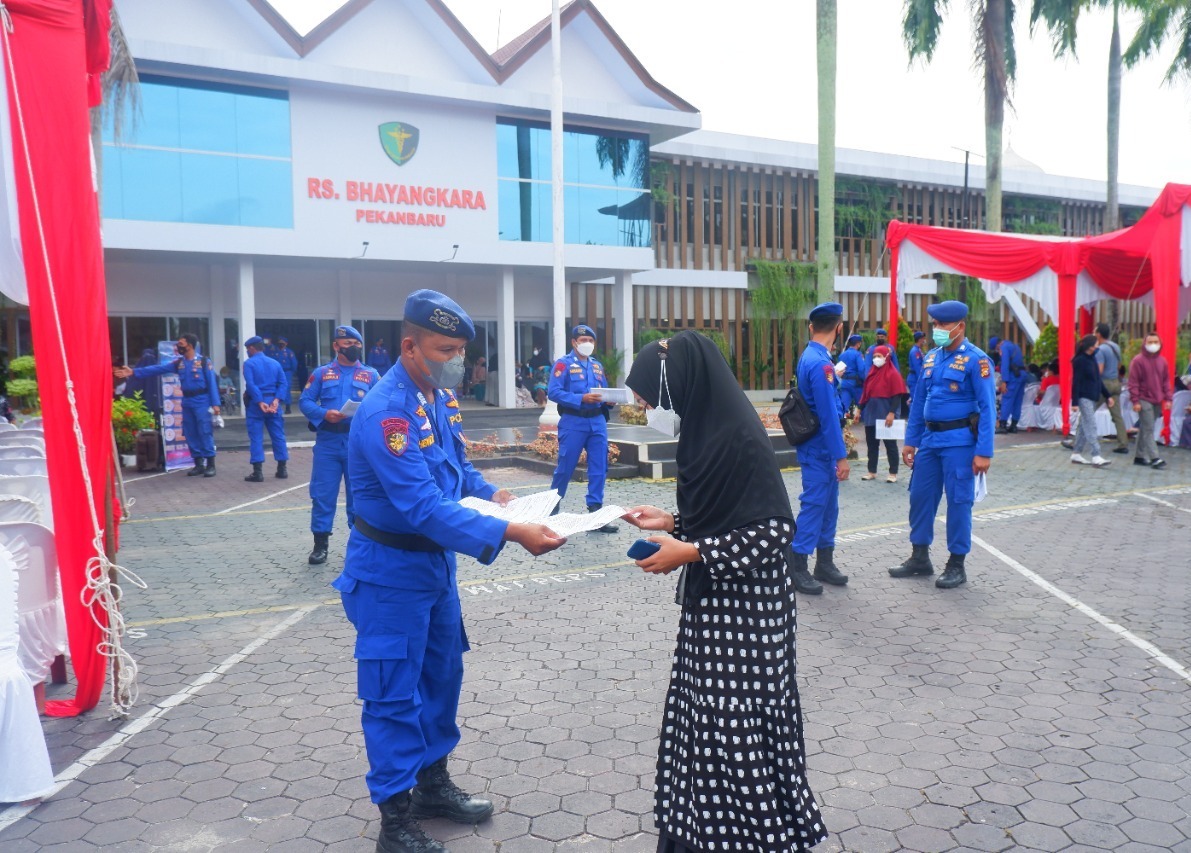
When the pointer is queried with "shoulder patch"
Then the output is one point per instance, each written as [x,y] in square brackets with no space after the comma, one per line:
[829,372]
[396,434]
[985,368]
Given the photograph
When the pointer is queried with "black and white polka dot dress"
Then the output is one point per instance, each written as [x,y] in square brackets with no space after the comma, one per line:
[731,764]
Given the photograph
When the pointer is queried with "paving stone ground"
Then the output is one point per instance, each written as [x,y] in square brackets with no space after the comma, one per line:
[998,716]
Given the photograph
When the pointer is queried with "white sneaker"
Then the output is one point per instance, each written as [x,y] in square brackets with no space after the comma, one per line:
[1100,461]
[1078,460]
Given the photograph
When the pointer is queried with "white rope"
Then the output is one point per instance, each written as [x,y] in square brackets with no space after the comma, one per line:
[99,589]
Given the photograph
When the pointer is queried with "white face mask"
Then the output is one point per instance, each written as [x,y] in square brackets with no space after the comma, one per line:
[666,421]
[878,361]
[585,349]
[1153,347]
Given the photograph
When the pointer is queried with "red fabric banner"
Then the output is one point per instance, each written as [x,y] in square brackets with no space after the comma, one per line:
[60,238]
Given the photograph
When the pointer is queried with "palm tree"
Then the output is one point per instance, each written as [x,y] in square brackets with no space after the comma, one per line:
[825,19]
[121,94]
[992,25]
[1162,19]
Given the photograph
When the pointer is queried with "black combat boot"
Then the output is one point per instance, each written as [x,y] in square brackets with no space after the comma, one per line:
[256,476]
[318,555]
[803,582]
[282,471]
[953,573]
[436,795]
[200,465]
[399,831]
[210,472]
[1002,428]
[826,570]
[607,528]
[918,564]
[1010,426]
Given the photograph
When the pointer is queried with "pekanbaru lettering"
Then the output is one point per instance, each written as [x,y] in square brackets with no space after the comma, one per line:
[400,217]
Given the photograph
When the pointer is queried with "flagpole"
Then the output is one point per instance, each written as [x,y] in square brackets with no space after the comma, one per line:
[560,276]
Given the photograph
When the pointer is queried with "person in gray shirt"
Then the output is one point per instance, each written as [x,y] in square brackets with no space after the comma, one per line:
[1108,357]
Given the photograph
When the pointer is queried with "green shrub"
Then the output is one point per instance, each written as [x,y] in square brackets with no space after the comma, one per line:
[22,367]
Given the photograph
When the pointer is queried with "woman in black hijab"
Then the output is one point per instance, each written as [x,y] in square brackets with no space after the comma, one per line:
[731,763]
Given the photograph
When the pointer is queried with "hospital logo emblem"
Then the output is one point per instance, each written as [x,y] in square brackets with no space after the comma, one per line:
[399,140]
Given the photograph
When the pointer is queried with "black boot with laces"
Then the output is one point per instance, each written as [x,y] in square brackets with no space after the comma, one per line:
[436,795]
[399,830]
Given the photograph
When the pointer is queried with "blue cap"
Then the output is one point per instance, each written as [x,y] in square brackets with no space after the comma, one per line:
[581,330]
[347,333]
[993,342]
[948,312]
[438,313]
[882,332]
[255,341]
[827,309]
[283,340]
[919,335]
[854,339]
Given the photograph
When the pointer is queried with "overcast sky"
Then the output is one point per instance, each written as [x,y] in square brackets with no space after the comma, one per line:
[749,66]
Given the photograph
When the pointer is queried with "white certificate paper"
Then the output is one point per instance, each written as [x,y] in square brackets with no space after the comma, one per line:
[536,509]
[615,395]
[897,432]
[349,408]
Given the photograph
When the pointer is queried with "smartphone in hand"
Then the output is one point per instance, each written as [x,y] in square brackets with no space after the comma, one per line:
[642,548]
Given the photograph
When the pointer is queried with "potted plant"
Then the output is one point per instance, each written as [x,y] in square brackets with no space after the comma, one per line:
[129,417]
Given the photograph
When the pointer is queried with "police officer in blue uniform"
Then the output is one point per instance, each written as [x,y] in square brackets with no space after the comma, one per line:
[882,341]
[200,399]
[823,458]
[409,468]
[1012,367]
[378,357]
[284,356]
[583,421]
[265,389]
[917,353]
[949,439]
[851,381]
[327,390]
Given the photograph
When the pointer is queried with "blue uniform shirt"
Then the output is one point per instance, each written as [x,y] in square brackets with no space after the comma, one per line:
[378,357]
[915,374]
[816,381]
[286,358]
[1011,358]
[408,468]
[857,367]
[332,385]
[572,377]
[195,375]
[953,386]
[264,380]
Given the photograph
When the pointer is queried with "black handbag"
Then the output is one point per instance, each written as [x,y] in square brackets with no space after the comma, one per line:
[798,421]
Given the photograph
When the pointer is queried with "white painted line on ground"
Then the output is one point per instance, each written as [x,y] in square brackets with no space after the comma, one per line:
[128,481]
[1121,631]
[261,500]
[1160,501]
[92,757]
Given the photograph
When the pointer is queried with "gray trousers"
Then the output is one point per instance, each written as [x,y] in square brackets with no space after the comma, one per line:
[1147,448]
[1086,438]
[1114,388]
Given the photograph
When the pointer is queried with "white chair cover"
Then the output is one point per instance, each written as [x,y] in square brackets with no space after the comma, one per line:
[1046,414]
[22,466]
[39,603]
[1127,414]
[1178,412]
[5,425]
[25,772]
[31,423]
[1028,415]
[36,487]
[22,436]
[17,508]
[22,451]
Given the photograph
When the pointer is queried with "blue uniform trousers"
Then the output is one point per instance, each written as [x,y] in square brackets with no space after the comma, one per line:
[257,424]
[849,394]
[1011,400]
[818,504]
[196,425]
[575,434]
[409,661]
[330,467]
[287,393]
[938,470]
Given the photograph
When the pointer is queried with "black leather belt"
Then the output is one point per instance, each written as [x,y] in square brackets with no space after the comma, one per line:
[401,541]
[944,426]
[194,393]
[583,413]
[342,426]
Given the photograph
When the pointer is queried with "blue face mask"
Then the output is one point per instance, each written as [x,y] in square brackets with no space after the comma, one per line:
[941,337]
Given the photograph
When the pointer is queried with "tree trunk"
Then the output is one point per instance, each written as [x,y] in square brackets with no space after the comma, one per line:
[1112,214]
[825,20]
[995,91]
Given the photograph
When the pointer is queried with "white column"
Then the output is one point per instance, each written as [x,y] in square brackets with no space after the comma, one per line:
[218,354]
[345,299]
[556,173]
[626,320]
[246,291]
[506,340]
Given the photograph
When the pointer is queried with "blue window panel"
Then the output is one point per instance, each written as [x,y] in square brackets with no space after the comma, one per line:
[516,197]
[635,218]
[262,126]
[612,160]
[113,183]
[523,151]
[592,216]
[266,193]
[206,120]
[157,124]
[209,193]
[152,184]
